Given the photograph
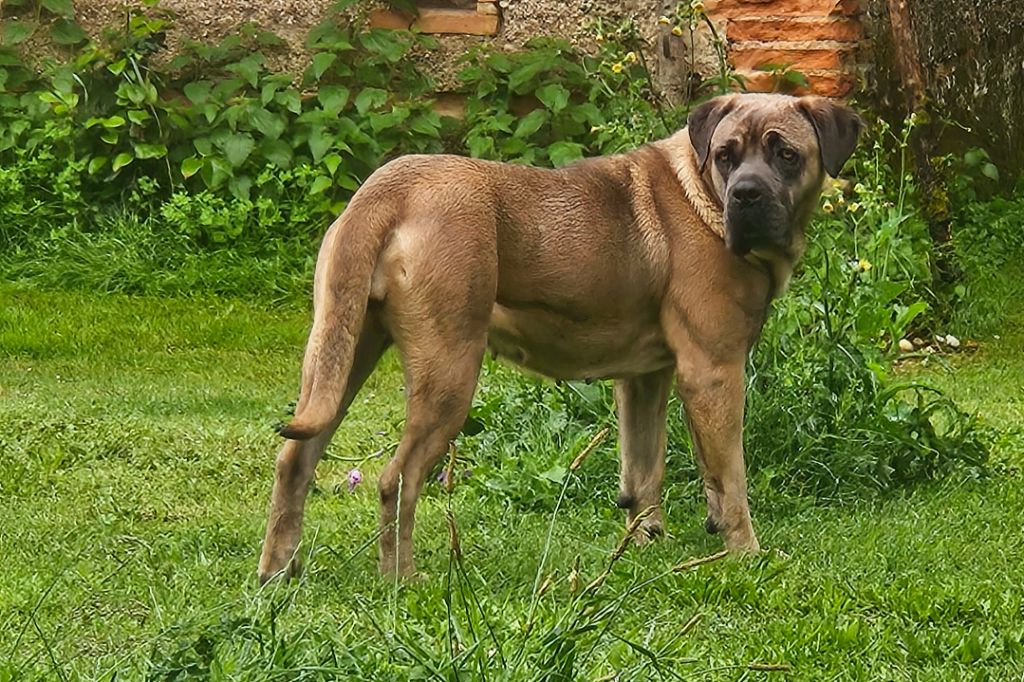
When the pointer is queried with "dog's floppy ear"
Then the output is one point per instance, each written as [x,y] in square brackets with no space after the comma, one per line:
[837,127]
[701,124]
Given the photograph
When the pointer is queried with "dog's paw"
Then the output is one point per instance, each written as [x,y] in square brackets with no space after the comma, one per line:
[649,530]
[293,569]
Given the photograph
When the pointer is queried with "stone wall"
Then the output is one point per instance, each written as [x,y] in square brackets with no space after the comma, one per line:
[815,37]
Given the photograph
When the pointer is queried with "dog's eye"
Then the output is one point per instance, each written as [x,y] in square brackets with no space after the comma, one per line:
[787,155]
[723,156]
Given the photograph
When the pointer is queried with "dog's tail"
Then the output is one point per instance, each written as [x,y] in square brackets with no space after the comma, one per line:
[341,292]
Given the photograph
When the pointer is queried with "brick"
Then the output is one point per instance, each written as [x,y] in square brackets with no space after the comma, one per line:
[438,20]
[827,83]
[793,28]
[749,58]
[722,9]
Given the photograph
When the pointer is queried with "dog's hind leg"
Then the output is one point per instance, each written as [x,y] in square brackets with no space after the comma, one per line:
[297,461]
[439,387]
[641,402]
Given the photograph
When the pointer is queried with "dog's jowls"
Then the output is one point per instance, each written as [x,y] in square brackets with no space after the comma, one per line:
[644,267]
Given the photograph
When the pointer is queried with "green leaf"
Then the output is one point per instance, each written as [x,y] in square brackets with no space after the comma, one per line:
[332,161]
[118,67]
[122,160]
[519,79]
[67,32]
[553,96]
[203,145]
[96,163]
[990,171]
[239,187]
[248,68]
[333,98]
[386,43]
[427,123]
[190,166]
[110,137]
[321,183]
[63,8]
[319,142]
[138,116]
[277,152]
[149,151]
[17,31]
[321,62]
[198,91]
[237,148]
[113,122]
[564,153]
[268,123]
[290,100]
[369,98]
[531,123]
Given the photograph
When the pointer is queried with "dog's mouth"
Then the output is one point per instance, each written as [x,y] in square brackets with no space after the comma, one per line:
[763,228]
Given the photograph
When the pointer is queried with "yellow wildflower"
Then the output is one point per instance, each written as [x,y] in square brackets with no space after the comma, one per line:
[631,57]
[664,21]
[617,67]
[853,208]
[599,38]
[840,200]
[827,207]
[697,6]
[676,31]
[863,265]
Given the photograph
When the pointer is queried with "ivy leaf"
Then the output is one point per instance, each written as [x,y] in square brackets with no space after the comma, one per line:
[564,153]
[149,151]
[118,67]
[190,166]
[553,96]
[122,160]
[66,32]
[17,31]
[531,123]
[333,98]
[990,171]
[237,148]
[369,98]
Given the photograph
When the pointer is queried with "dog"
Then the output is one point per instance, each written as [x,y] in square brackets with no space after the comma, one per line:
[643,267]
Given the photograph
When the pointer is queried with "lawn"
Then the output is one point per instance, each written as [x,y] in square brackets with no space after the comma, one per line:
[136,458]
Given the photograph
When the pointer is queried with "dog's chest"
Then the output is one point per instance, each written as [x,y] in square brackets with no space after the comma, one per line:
[554,345]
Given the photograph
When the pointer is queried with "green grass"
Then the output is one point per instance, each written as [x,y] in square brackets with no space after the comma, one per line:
[136,458]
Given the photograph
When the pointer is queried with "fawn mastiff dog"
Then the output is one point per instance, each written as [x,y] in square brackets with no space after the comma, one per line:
[641,267]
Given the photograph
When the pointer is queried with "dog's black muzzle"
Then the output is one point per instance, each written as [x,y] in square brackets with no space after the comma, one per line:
[754,218]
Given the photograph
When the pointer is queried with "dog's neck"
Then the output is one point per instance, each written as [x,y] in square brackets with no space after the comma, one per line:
[684,163]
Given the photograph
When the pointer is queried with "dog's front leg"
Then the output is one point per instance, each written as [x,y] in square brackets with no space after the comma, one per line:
[640,402]
[712,393]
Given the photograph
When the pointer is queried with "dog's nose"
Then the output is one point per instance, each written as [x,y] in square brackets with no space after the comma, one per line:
[748,192]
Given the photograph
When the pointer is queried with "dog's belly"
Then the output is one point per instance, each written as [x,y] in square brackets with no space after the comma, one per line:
[551,344]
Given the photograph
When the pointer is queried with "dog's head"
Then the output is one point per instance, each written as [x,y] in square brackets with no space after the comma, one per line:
[765,157]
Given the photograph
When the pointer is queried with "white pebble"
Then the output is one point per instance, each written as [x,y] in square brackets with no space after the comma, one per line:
[906,346]
[952,341]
